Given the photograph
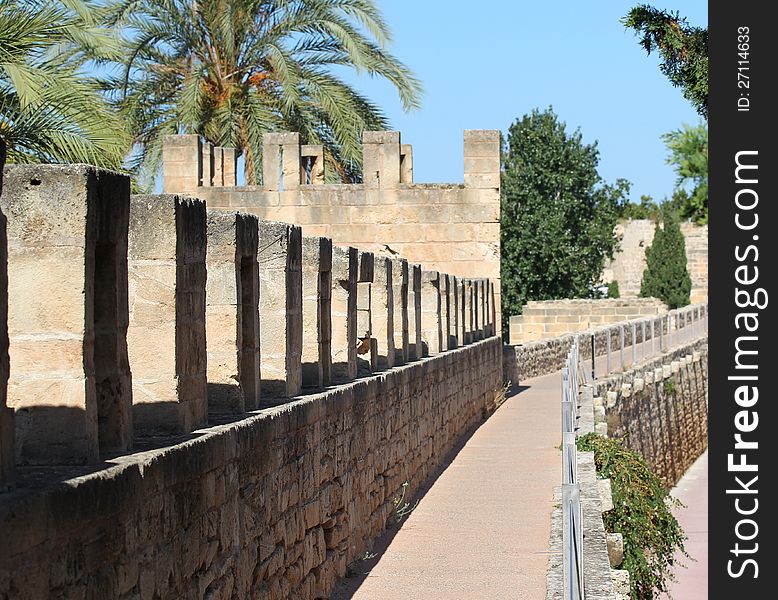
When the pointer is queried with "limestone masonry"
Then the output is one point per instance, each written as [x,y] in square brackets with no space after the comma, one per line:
[207,404]
[451,228]
[629,262]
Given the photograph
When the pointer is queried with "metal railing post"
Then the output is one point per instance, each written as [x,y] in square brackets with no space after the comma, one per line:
[593,357]
[653,337]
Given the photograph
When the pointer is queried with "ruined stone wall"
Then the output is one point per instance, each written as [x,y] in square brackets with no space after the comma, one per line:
[542,319]
[659,410]
[272,506]
[629,262]
[452,228]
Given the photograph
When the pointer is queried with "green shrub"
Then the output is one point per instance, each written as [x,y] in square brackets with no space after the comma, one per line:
[641,513]
[613,289]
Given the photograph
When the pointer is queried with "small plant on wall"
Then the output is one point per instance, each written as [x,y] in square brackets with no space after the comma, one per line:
[641,513]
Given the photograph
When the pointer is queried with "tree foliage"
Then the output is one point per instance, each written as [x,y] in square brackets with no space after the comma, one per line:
[683,49]
[641,513]
[231,70]
[50,111]
[666,276]
[688,148]
[557,214]
[647,208]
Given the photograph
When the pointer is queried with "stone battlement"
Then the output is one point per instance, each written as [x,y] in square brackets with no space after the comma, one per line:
[149,315]
[450,228]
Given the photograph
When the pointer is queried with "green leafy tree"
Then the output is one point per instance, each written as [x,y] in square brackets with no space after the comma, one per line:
[231,70]
[666,276]
[557,214]
[647,208]
[683,49]
[688,148]
[50,111]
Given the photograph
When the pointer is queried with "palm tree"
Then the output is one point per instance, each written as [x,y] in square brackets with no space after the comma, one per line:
[50,110]
[231,70]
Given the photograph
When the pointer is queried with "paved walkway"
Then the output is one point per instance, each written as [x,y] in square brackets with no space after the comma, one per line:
[481,531]
[692,490]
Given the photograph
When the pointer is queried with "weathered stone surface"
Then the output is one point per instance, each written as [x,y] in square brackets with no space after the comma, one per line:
[451,228]
[275,505]
[431,325]
[345,272]
[280,308]
[232,312]
[7,435]
[166,335]
[317,311]
[67,291]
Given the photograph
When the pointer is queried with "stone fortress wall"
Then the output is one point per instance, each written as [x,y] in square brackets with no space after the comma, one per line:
[146,332]
[543,319]
[629,262]
[452,228]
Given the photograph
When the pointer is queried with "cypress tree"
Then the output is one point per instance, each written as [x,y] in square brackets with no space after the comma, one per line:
[666,276]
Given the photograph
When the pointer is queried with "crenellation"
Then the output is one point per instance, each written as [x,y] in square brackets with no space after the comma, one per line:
[317,311]
[167,300]
[451,227]
[415,342]
[345,273]
[69,379]
[382,313]
[400,310]
[280,308]
[232,312]
[431,326]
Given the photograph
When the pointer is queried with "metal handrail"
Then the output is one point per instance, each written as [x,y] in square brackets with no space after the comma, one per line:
[572,514]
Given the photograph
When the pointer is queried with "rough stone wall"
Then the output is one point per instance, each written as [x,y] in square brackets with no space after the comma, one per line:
[273,506]
[541,319]
[7,453]
[541,357]
[452,228]
[660,410]
[629,262]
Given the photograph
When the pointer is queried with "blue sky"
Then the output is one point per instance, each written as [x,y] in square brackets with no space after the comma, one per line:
[485,64]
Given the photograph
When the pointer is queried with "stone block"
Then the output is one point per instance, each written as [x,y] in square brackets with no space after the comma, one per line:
[382,312]
[615,543]
[280,308]
[182,163]
[232,312]
[400,331]
[345,272]
[281,161]
[67,281]
[431,325]
[317,311]
[415,343]
[381,159]
[167,329]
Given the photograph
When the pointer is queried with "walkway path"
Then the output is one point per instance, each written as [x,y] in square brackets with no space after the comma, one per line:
[692,490]
[481,531]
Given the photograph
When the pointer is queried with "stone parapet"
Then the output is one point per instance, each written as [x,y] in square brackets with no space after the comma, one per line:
[167,299]
[67,312]
[275,505]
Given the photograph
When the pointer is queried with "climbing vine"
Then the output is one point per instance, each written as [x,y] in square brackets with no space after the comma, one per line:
[641,513]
